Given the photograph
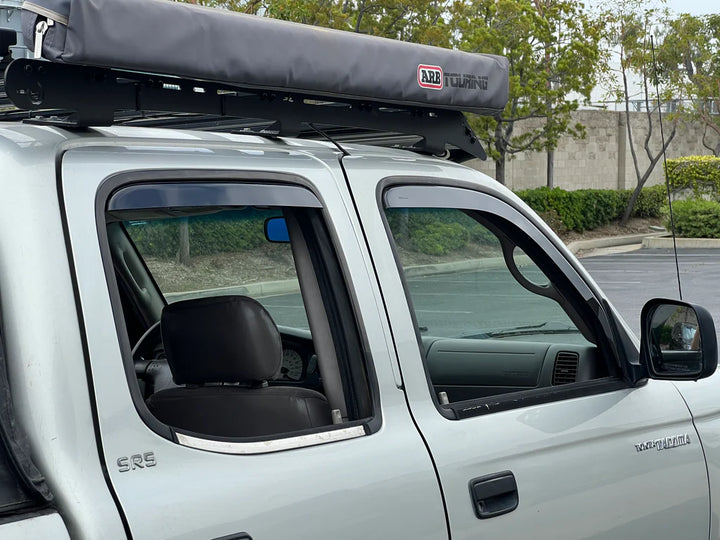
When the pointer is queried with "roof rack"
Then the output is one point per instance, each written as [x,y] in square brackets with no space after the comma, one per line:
[91,96]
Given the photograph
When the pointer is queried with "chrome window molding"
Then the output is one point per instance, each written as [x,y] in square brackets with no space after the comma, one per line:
[272,445]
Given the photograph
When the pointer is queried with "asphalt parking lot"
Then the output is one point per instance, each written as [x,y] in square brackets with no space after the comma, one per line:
[630,279]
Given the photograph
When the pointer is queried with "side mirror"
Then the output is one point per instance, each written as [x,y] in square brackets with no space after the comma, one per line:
[276,230]
[678,340]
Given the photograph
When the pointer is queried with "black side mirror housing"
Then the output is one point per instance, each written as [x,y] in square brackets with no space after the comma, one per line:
[678,340]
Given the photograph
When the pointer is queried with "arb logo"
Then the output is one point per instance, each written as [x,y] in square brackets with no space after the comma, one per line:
[430,76]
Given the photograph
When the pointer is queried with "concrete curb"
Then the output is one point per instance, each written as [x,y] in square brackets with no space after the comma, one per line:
[291,286]
[256,290]
[658,240]
[469,265]
[459,266]
[611,241]
[666,242]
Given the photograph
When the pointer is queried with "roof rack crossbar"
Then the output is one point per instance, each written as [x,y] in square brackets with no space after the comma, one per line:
[95,94]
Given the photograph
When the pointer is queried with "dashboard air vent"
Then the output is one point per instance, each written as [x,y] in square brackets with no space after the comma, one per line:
[566,367]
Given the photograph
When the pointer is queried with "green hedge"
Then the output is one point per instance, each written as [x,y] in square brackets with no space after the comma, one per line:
[695,218]
[700,174]
[436,232]
[650,202]
[217,233]
[591,208]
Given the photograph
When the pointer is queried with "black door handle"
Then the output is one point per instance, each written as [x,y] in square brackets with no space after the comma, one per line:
[494,495]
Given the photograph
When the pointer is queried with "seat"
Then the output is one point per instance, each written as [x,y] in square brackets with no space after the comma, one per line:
[222,351]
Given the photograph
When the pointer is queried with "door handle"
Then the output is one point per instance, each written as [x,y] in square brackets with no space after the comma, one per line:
[494,495]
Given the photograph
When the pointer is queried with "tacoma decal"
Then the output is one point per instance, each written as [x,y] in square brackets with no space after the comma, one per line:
[430,76]
[664,443]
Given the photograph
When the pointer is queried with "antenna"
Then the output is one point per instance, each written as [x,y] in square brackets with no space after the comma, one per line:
[667,182]
[329,138]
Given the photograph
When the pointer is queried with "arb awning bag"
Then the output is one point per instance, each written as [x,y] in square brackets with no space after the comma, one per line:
[159,36]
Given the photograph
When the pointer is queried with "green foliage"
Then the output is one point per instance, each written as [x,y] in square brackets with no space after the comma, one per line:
[209,235]
[155,239]
[552,219]
[690,64]
[591,208]
[554,54]
[218,233]
[696,218]
[700,174]
[650,202]
[440,238]
[417,21]
[436,231]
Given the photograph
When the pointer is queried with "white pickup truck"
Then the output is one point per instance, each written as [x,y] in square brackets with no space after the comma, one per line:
[213,335]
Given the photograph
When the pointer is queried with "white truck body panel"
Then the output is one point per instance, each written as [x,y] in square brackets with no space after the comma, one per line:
[569,455]
[575,460]
[269,495]
[41,300]
[243,337]
[49,526]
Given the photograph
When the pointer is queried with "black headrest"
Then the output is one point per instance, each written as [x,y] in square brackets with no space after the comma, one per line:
[220,339]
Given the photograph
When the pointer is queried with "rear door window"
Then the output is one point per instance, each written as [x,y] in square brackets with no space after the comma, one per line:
[237,315]
[226,252]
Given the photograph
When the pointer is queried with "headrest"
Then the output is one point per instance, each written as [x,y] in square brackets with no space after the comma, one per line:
[225,339]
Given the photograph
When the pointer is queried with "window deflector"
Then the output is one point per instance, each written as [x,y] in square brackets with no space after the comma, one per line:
[169,195]
[423,196]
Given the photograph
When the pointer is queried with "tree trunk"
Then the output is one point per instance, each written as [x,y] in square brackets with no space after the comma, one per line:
[500,170]
[550,168]
[631,203]
[183,255]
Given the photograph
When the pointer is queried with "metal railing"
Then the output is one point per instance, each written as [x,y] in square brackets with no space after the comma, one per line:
[671,106]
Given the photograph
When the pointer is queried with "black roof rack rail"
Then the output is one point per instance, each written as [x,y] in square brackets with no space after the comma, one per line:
[91,96]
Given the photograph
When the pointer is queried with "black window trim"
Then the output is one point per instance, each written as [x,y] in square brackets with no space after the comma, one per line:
[116,183]
[496,205]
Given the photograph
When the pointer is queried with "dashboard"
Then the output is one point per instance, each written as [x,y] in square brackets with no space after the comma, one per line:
[299,362]
[465,369]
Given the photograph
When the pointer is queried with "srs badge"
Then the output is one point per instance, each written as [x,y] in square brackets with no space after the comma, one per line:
[136,461]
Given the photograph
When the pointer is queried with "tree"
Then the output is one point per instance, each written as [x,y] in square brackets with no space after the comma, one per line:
[553,50]
[629,37]
[418,21]
[691,60]
[244,6]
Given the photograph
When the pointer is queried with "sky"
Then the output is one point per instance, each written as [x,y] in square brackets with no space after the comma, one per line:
[694,7]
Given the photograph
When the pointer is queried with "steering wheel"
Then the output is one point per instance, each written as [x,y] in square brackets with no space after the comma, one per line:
[151,369]
[144,350]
